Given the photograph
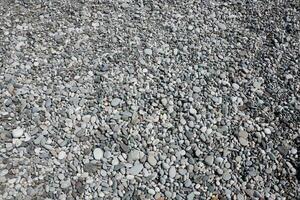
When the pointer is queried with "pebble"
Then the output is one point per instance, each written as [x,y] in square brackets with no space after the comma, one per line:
[209,160]
[115,102]
[134,155]
[196,89]
[136,169]
[18,132]
[148,51]
[151,159]
[191,196]
[62,155]
[243,141]
[235,86]
[243,134]
[219,160]
[98,153]
[222,26]
[267,131]
[193,111]
[172,172]
[151,191]
[226,176]
[65,184]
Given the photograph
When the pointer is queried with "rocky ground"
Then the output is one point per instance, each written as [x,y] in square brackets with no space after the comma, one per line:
[140,99]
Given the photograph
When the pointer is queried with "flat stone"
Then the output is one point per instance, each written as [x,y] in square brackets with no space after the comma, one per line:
[136,169]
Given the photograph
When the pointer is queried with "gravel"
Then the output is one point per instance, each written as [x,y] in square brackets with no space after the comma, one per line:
[149,99]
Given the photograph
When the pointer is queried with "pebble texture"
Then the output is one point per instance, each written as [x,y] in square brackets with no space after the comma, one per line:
[147,99]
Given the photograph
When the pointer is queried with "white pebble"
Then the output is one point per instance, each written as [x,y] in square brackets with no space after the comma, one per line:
[98,154]
[267,131]
[62,155]
[18,132]
[148,51]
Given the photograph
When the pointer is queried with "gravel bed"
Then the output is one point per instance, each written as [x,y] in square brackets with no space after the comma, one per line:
[140,99]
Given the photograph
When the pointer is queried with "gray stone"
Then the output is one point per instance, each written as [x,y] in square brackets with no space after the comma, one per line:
[226,176]
[136,169]
[196,89]
[65,184]
[191,196]
[209,160]
[243,134]
[115,102]
[134,155]
[148,51]
[151,160]
[172,172]
[243,141]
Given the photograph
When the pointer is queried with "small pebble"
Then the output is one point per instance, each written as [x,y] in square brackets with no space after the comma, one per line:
[98,153]
[18,132]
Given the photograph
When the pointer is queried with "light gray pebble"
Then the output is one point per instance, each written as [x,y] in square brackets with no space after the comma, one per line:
[98,153]
[115,102]
[209,160]
[191,196]
[196,89]
[134,155]
[226,176]
[172,172]
[18,132]
[136,169]
[148,51]
[243,141]
[151,159]
[65,184]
